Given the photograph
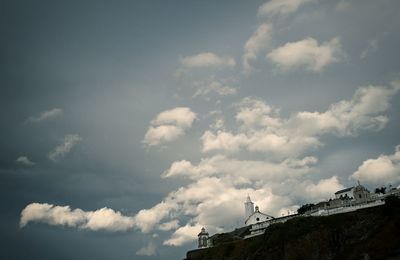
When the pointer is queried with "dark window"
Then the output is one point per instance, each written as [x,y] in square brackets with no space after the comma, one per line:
[258,219]
[359,195]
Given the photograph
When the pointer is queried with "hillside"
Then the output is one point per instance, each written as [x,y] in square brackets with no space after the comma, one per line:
[372,233]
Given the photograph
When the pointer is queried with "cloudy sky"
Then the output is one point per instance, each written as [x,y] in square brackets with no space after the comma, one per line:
[126,126]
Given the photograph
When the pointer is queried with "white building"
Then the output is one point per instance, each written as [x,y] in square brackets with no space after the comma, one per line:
[358,193]
[252,215]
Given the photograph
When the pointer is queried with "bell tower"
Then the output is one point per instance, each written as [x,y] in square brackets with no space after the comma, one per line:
[203,237]
[248,207]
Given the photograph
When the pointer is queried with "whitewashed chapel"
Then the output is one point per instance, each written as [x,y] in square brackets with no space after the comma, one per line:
[254,216]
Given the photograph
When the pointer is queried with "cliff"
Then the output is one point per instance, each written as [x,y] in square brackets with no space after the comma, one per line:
[372,233]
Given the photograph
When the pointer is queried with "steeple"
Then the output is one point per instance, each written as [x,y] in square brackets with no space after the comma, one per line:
[248,207]
[203,237]
[248,198]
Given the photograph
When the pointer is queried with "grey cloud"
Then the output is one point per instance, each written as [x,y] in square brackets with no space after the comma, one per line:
[45,115]
[65,147]
[24,160]
[148,250]
[281,7]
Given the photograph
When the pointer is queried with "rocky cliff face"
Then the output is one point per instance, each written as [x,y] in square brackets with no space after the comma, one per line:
[372,233]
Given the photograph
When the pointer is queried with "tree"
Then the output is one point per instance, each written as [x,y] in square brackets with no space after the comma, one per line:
[381,190]
[304,208]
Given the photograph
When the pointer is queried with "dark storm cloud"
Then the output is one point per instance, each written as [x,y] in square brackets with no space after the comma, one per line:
[82,81]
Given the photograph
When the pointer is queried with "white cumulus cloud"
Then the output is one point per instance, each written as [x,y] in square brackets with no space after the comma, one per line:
[65,147]
[257,43]
[207,59]
[146,219]
[169,225]
[169,125]
[263,130]
[102,219]
[307,53]
[383,170]
[183,235]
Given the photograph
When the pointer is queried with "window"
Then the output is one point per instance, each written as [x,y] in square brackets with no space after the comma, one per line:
[359,195]
[258,219]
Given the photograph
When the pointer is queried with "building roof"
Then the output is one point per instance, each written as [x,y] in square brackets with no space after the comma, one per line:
[344,190]
[260,213]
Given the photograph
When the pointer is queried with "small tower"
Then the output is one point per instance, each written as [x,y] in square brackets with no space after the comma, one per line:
[203,237]
[248,207]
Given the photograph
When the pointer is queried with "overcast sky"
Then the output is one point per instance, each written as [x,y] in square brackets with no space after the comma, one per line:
[126,126]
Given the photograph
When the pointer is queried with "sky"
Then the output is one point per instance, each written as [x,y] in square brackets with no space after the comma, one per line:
[126,126]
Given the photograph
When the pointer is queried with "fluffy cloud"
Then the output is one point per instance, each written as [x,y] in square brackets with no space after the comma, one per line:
[169,125]
[348,117]
[242,171]
[146,219]
[183,235]
[149,250]
[277,184]
[207,59]
[307,53]
[206,88]
[45,115]
[162,134]
[23,160]
[169,225]
[324,188]
[258,42]
[274,186]
[179,116]
[255,113]
[102,219]
[107,219]
[64,148]
[281,7]
[384,169]
[259,141]
[263,130]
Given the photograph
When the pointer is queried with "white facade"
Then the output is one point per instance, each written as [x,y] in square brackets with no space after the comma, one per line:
[203,238]
[257,217]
